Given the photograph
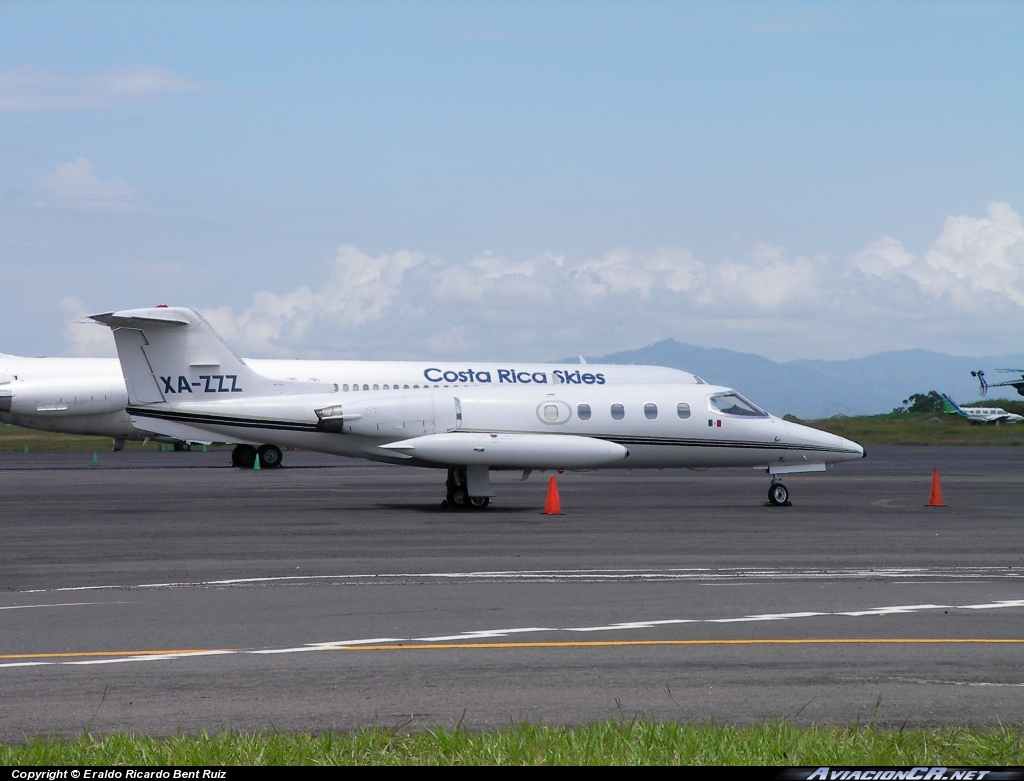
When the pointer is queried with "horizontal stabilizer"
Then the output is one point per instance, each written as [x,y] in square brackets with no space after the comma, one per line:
[136,318]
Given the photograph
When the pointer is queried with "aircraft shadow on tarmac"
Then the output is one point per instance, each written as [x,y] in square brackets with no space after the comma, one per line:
[442,508]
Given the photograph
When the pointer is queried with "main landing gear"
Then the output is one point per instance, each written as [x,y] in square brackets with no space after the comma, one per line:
[244,456]
[457,496]
[778,495]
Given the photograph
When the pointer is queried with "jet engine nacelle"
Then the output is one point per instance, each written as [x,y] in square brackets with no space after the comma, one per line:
[401,416]
[96,395]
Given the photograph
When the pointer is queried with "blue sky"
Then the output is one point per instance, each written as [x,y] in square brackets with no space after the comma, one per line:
[516,180]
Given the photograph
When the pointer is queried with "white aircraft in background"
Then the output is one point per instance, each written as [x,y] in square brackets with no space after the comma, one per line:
[184,382]
[88,395]
[993,415]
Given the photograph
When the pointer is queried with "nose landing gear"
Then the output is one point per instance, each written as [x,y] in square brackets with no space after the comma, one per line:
[778,495]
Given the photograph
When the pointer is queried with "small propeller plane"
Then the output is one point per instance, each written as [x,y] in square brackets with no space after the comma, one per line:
[992,415]
[184,381]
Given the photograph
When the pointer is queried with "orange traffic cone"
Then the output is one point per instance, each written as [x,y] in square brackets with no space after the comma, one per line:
[936,497]
[553,506]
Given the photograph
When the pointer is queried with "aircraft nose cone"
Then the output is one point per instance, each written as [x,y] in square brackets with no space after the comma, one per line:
[849,446]
[839,448]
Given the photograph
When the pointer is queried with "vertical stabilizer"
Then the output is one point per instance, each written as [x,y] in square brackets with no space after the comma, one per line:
[950,406]
[172,355]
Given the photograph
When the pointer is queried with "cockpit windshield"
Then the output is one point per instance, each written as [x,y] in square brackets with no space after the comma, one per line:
[733,403]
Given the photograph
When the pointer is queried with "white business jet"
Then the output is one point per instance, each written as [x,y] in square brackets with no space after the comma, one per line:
[88,395]
[185,382]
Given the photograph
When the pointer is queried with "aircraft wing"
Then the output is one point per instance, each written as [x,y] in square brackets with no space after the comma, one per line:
[174,430]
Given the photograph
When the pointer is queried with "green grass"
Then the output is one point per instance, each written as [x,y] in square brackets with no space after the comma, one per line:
[936,428]
[16,438]
[637,742]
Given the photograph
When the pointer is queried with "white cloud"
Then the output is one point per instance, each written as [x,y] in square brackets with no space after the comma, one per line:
[85,338]
[982,255]
[78,185]
[968,284]
[359,291]
[408,304]
[883,258]
[43,89]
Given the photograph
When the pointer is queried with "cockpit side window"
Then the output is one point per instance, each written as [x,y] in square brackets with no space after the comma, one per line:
[733,403]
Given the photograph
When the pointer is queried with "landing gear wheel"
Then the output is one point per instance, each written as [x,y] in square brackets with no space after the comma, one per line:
[182,447]
[270,456]
[452,486]
[778,495]
[457,496]
[243,456]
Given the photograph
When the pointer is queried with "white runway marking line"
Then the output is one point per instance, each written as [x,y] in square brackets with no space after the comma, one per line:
[957,683]
[876,611]
[597,575]
[481,635]
[59,604]
[894,610]
[150,657]
[329,646]
[634,625]
[991,605]
[489,633]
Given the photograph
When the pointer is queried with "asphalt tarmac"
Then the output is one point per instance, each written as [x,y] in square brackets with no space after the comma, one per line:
[167,592]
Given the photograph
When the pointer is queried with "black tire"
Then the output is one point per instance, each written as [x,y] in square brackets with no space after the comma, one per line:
[479,502]
[243,456]
[182,447]
[270,456]
[778,494]
[460,499]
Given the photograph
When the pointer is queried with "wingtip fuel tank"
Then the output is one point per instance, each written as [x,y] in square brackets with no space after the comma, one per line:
[518,451]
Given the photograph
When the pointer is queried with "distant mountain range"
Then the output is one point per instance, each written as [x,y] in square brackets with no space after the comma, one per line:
[820,389]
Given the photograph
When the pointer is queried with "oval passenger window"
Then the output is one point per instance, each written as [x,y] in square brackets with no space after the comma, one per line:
[683,410]
[650,411]
[618,412]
